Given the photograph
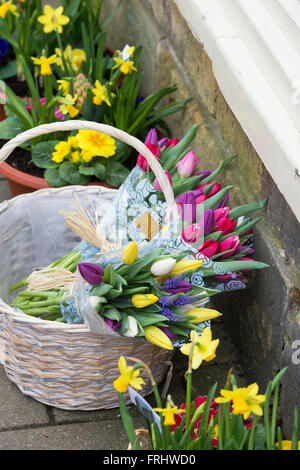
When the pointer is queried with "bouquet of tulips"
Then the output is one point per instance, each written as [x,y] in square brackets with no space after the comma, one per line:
[239,418]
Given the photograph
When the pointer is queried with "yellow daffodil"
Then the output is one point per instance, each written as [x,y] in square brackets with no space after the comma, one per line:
[168,414]
[64,85]
[97,143]
[156,336]
[143,300]
[53,19]
[244,400]
[203,347]
[287,445]
[62,149]
[45,63]
[202,314]
[73,56]
[185,265]
[129,376]
[126,66]
[86,156]
[100,92]
[6,7]
[130,252]
[75,156]
[68,105]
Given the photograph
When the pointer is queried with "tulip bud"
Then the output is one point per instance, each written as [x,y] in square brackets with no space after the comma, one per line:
[155,335]
[203,174]
[167,332]
[192,233]
[183,287]
[91,273]
[113,324]
[94,301]
[152,137]
[130,252]
[202,314]
[201,198]
[209,248]
[143,300]
[163,143]
[186,166]
[141,160]
[132,329]
[221,213]
[188,206]
[225,225]
[185,265]
[231,243]
[242,248]
[157,185]
[215,189]
[172,142]
[163,266]
[207,221]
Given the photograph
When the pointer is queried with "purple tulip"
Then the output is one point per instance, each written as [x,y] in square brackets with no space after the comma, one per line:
[91,273]
[224,202]
[167,332]
[186,166]
[203,174]
[188,205]
[241,248]
[207,221]
[152,137]
[183,286]
[163,143]
[113,324]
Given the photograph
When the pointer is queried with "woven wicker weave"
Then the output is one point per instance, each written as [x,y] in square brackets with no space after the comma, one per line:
[64,365]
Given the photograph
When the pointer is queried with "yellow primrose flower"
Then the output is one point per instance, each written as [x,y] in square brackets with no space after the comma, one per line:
[64,85]
[8,7]
[168,414]
[97,143]
[143,300]
[45,63]
[185,265]
[86,156]
[130,252]
[75,156]
[204,348]
[53,19]
[202,314]
[62,149]
[156,336]
[74,56]
[100,92]
[73,142]
[68,105]
[244,400]
[128,376]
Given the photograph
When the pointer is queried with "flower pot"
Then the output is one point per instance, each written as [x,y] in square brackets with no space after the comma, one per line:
[22,183]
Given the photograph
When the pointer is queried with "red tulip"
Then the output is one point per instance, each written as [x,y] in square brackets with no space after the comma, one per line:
[221,213]
[201,198]
[157,185]
[225,225]
[215,189]
[209,248]
[142,162]
[172,142]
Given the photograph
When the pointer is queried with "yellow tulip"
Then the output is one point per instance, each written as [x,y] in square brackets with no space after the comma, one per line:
[130,252]
[143,300]
[155,335]
[202,314]
[185,265]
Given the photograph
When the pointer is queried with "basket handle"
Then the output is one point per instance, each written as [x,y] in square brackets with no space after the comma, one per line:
[70,125]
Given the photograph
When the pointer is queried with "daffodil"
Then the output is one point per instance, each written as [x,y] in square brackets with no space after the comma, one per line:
[143,300]
[129,376]
[97,143]
[244,400]
[204,347]
[100,94]
[64,85]
[168,414]
[53,19]
[126,66]
[68,105]
[62,149]
[130,252]
[45,63]
[185,265]
[73,56]
[8,7]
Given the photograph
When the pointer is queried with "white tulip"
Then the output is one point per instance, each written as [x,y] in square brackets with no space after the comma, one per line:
[163,266]
[94,300]
[132,330]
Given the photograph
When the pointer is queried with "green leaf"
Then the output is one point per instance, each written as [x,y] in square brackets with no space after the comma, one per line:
[109,275]
[101,290]
[69,172]
[116,173]
[53,178]
[42,154]
[8,70]
[11,127]
[123,151]
[88,170]
[99,171]
[112,313]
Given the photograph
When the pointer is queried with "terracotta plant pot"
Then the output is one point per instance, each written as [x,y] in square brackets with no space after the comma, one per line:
[21,183]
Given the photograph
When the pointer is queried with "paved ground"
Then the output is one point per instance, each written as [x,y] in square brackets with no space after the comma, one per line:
[27,424]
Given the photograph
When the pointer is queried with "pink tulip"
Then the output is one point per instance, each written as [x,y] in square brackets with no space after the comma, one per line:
[192,233]
[231,243]
[201,198]
[209,248]
[157,185]
[214,190]
[186,166]
[142,162]
[221,213]
[225,225]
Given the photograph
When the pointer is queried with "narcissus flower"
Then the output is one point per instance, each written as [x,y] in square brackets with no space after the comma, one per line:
[64,85]
[6,7]
[100,94]
[68,105]
[53,19]
[202,314]
[129,376]
[185,265]
[156,336]
[168,414]
[244,400]
[204,348]
[126,66]
[73,56]
[97,143]
[45,63]
[130,252]
[143,300]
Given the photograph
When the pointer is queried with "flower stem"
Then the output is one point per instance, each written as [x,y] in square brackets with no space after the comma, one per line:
[188,399]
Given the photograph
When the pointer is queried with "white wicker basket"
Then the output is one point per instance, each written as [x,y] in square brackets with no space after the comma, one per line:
[63,365]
